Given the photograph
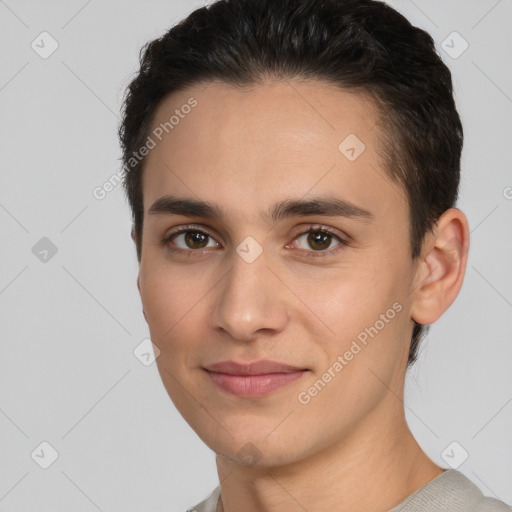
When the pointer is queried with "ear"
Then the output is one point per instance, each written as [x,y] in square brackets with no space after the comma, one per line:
[441,268]
[138,286]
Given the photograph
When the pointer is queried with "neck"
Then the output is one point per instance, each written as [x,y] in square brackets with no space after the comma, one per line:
[373,468]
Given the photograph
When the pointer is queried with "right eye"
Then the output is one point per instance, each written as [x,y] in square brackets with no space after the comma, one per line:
[188,239]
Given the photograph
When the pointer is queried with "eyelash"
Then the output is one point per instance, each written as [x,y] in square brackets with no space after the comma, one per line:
[311,229]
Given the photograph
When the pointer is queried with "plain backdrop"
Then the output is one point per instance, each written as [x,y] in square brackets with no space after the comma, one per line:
[70,312]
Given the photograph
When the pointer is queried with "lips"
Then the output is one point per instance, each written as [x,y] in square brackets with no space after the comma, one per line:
[257,368]
[253,379]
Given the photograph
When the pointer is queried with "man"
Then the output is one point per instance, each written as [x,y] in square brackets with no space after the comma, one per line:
[292,168]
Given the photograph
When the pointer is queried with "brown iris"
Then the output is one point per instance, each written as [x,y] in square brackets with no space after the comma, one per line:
[195,237]
[317,240]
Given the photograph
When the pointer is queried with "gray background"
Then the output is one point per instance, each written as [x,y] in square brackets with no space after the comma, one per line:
[70,324]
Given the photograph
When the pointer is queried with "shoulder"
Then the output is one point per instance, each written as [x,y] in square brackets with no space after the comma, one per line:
[486,504]
[209,504]
[451,491]
[459,483]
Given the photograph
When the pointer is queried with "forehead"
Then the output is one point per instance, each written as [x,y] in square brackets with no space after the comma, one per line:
[246,148]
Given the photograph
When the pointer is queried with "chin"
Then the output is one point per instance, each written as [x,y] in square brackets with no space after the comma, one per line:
[258,449]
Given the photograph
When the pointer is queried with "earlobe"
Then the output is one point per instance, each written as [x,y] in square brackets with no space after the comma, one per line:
[441,271]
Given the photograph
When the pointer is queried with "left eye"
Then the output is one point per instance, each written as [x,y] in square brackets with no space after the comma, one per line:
[317,239]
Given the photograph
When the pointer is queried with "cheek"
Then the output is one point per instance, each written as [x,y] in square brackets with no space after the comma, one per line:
[174,306]
[341,297]
[364,306]
[365,348]
[169,298]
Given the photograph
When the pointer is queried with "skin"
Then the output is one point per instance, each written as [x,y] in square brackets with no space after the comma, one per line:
[349,448]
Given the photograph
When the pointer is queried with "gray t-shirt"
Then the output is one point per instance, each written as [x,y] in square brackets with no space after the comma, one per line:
[451,491]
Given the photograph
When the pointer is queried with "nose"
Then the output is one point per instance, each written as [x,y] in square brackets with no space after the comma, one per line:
[249,300]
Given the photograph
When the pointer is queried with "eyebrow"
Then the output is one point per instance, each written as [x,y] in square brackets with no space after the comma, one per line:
[329,206]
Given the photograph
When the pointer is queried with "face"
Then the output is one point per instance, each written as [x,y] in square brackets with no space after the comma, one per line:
[271,232]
